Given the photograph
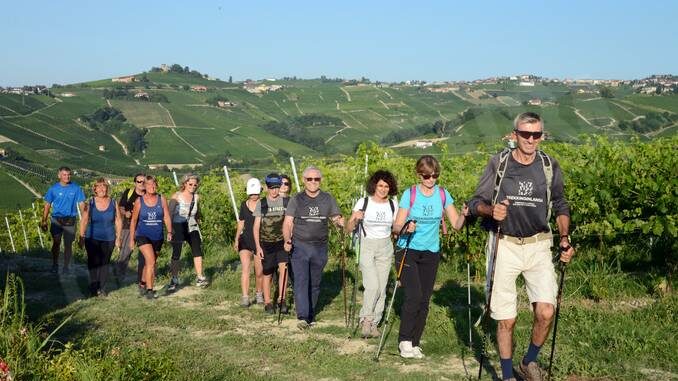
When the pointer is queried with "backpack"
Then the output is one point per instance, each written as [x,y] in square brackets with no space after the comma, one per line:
[548,173]
[264,204]
[443,198]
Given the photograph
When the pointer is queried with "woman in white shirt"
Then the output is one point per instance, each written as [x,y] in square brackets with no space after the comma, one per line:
[376,213]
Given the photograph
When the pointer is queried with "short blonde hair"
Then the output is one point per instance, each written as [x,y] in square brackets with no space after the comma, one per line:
[187,177]
[104,182]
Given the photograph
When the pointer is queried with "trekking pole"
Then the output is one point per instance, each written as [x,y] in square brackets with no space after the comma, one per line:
[357,244]
[283,288]
[396,282]
[561,268]
[486,310]
[468,290]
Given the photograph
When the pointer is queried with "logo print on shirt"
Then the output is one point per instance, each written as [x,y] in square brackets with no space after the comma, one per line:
[313,211]
[381,216]
[525,188]
[427,210]
[151,216]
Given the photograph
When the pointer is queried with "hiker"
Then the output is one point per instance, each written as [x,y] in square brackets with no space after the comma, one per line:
[100,232]
[245,246]
[65,198]
[269,214]
[425,204]
[376,213]
[520,207]
[149,213]
[285,185]
[185,211]
[125,207]
[306,228]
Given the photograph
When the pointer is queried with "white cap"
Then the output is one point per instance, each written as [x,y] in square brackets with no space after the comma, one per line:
[253,186]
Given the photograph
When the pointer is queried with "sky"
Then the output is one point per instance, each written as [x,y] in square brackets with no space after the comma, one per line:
[46,42]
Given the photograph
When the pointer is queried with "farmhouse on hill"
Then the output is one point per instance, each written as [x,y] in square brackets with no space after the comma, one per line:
[199,88]
[142,95]
[127,79]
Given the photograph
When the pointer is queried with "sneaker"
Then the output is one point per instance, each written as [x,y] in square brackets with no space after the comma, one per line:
[269,309]
[244,301]
[259,298]
[530,372]
[142,289]
[406,350]
[202,282]
[366,328]
[283,308]
[151,294]
[102,293]
[303,325]
[55,269]
[173,284]
[418,354]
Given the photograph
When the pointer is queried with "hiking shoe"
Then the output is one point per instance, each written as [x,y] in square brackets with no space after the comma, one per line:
[172,286]
[55,269]
[244,301]
[269,308]
[406,350]
[151,294]
[283,308]
[530,372]
[303,325]
[202,282]
[418,354]
[366,328]
[259,298]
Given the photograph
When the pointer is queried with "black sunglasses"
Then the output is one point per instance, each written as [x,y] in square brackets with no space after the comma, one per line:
[526,134]
[285,183]
[427,176]
[139,181]
[317,179]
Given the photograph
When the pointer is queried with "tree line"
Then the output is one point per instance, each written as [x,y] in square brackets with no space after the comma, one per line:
[111,121]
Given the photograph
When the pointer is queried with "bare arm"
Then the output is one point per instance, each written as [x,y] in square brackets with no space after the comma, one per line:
[45,215]
[338,221]
[84,221]
[355,216]
[238,230]
[288,228]
[456,219]
[167,218]
[255,233]
[118,228]
[133,222]
[563,222]
[400,220]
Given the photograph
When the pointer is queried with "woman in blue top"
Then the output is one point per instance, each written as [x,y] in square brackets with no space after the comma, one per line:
[100,229]
[150,212]
[425,204]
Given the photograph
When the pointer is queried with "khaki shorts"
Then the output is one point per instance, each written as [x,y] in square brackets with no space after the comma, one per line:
[533,261]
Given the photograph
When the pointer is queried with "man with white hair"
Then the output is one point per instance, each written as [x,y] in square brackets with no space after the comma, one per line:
[306,228]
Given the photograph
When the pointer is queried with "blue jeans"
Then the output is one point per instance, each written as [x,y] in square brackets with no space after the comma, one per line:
[308,262]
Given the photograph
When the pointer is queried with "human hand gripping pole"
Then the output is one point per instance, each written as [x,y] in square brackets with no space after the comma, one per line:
[396,283]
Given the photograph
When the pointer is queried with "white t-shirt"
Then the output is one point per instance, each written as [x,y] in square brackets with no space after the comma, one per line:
[378,218]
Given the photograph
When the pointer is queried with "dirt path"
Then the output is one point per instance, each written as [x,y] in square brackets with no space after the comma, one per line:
[174,131]
[9,109]
[123,146]
[346,126]
[385,92]
[348,96]
[298,108]
[49,138]
[384,104]
[29,114]
[30,189]
[281,109]
[624,108]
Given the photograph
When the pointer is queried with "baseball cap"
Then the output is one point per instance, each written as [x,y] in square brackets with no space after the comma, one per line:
[253,186]
[273,180]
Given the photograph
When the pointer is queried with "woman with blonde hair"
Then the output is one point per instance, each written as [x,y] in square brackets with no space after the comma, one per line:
[100,229]
[185,216]
[149,214]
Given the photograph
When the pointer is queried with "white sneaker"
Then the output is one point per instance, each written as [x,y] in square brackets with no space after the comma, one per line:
[406,350]
[418,354]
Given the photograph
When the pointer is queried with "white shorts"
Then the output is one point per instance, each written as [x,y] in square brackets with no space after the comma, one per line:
[533,261]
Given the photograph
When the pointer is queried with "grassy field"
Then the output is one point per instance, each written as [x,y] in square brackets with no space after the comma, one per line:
[204,334]
[13,192]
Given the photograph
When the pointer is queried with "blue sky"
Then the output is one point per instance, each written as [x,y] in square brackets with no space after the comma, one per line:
[47,42]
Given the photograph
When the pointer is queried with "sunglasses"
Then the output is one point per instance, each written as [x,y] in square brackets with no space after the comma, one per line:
[428,176]
[526,134]
[316,179]
[285,183]
[139,181]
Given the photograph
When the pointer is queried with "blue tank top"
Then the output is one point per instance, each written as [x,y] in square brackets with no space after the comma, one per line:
[101,224]
[150,220]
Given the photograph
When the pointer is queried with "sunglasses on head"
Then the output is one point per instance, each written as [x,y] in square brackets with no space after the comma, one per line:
[428,176]
[527,134]
[316,179]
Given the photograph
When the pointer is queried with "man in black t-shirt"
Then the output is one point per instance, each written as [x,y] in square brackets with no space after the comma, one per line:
[125,207]
[521,207]
[306,226]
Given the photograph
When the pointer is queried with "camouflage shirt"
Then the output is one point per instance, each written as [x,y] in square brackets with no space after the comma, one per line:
[272,214]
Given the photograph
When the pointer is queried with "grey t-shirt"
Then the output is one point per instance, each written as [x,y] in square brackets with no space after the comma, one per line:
[311,215]
[525,188]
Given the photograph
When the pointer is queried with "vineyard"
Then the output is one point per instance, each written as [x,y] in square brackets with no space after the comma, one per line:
[624,202]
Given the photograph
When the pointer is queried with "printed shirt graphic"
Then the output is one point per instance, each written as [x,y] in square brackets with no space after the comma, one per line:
[311,215]
[64,199]
[378,218]
[525,188]
[151,220]
[270,229]
[427,211]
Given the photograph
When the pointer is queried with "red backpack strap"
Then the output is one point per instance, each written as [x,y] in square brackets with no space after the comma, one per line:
[443,198]
[413,195]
